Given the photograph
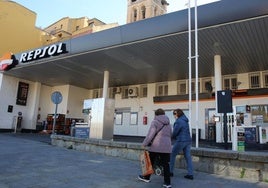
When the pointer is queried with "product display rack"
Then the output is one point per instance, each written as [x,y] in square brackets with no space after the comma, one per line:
[60,123]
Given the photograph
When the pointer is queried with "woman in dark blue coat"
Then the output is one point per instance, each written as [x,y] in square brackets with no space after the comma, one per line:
[183,142]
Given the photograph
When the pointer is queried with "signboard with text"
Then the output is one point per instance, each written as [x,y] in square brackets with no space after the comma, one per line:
[22,93]
[240,139]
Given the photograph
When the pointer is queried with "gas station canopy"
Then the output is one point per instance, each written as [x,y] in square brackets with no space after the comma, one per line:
[156,49]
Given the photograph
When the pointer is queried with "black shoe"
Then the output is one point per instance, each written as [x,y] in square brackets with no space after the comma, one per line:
[171,174]
[142,178]
[190,177]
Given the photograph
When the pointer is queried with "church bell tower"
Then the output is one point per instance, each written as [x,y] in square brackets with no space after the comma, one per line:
[142,9]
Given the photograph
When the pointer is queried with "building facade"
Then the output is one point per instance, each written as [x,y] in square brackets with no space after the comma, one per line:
[14,16]
[67,28]
[143,9]
[28,36]
[148,71]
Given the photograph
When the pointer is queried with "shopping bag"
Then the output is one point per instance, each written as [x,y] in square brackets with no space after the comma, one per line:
[146,165]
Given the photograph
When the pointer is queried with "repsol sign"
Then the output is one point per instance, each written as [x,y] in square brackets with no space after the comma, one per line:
[48,51]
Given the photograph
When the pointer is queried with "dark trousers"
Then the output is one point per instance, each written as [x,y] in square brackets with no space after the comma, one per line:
[164,161]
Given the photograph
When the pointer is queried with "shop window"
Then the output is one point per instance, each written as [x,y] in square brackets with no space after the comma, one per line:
[162,89]
[143,91]
[254,80]
[230,82]
[182,87]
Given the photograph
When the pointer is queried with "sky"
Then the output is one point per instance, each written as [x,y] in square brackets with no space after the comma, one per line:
[108,11]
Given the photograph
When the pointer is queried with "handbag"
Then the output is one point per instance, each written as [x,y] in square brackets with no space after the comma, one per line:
[151,142]
[146,165]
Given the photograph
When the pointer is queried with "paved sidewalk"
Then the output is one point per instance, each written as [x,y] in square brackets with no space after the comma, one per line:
[28,163]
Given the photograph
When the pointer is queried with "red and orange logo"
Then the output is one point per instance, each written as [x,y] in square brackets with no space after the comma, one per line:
[8,61]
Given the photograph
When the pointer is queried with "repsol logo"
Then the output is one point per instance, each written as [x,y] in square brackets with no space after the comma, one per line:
[48,51]
[8,61]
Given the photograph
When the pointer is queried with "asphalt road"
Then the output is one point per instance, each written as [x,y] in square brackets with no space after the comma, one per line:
[30,161]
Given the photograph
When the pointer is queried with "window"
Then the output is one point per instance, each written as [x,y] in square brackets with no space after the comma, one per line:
[234,83]
[118,118]
[77,27]
[265,79]
[143,91]
[164,2]
[97,93]
[207,85]
[259,112]
[193,87]
[133,118]
[162,89]
[182,87]
[143,12]
[254,80]
[135,15]
[90,24]
[155,12]
[226,84]
[112,92]
[230,82]
[124,92]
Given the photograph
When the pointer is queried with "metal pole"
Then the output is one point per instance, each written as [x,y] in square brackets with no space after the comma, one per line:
[190,65]
[15,119]
[54,120]
[196,77]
